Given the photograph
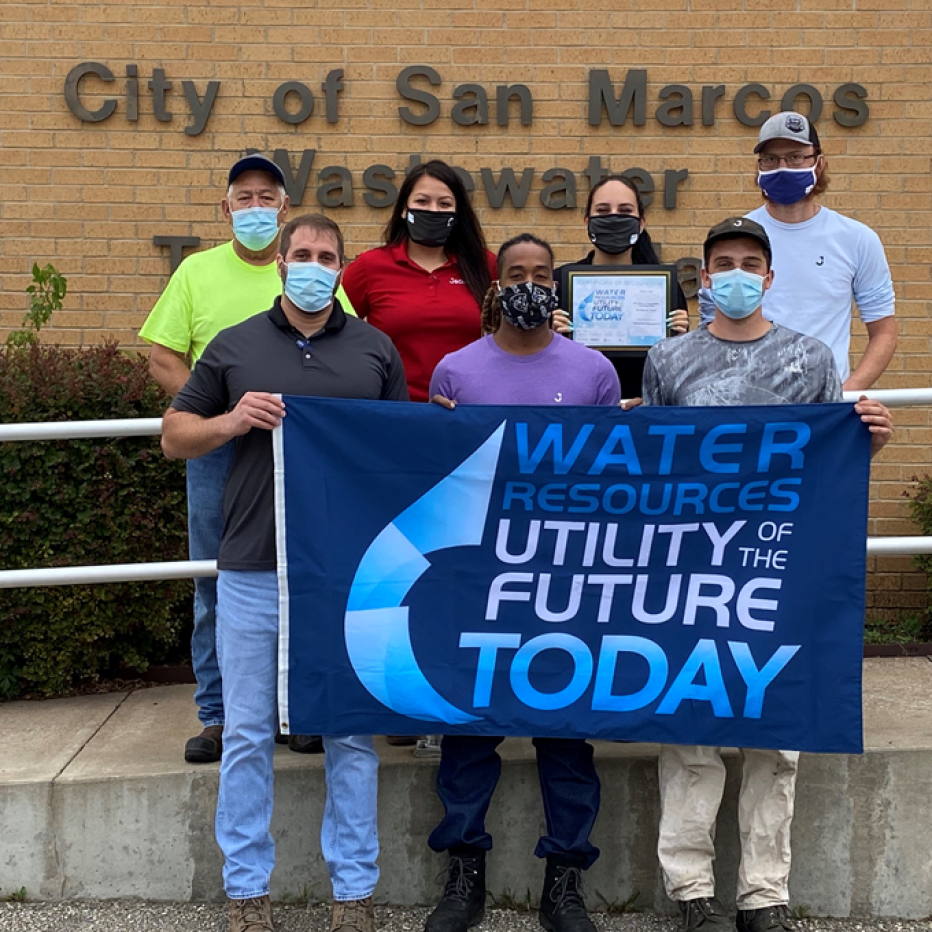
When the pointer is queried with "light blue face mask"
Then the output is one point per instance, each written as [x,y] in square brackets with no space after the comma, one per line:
[736,293]
[255,227]
[310,286]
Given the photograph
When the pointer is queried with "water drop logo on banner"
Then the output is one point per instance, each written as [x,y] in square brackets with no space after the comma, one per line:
[677,575]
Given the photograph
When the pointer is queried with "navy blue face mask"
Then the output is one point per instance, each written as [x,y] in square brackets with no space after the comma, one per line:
[787,185]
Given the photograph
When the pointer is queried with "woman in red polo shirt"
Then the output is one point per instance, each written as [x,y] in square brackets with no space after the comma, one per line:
[424,288]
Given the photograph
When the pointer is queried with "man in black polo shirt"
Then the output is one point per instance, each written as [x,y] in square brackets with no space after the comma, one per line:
[305,345]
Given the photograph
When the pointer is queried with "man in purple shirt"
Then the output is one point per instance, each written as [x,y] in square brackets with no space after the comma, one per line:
[520,361]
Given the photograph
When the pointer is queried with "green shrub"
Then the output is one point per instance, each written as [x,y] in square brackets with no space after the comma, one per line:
[901,628]
[46,295]
[85,502]
[920,507]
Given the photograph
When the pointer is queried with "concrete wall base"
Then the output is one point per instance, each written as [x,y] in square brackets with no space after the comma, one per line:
[117,813]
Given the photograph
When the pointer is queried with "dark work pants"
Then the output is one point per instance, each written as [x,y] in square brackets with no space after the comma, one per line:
[469,771]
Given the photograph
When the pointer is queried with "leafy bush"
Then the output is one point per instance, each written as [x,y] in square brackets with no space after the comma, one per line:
[47,293]
[920,507]
[85,502]
[902,628]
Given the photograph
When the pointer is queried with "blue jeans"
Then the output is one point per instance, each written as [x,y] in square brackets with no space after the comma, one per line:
[469,772]
[207,478]
[247,644]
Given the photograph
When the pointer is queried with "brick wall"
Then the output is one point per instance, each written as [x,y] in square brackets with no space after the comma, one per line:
[89,197]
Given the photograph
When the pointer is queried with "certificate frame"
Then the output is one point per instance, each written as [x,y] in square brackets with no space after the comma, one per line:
[578,285]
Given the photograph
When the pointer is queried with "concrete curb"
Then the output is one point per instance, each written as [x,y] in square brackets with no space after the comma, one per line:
[115,811]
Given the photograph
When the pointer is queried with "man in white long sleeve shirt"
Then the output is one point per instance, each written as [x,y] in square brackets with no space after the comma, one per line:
[821,259]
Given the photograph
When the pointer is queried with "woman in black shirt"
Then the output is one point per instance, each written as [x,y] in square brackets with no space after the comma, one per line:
[615,223]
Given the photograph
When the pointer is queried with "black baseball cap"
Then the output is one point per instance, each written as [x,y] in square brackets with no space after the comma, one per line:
[259,163]
[735,228]
[787,125]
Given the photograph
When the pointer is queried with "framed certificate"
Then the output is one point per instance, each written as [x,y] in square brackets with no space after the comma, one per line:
[619,307]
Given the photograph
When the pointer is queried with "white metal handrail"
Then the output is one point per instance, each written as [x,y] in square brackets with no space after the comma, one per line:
[152,426]
[187,569]
[117,572]
[894,397]
[82,430]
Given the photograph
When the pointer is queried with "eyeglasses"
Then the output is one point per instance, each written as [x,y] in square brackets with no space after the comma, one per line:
[796,160]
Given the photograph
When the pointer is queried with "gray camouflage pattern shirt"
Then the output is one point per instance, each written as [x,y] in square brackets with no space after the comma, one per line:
[781,367]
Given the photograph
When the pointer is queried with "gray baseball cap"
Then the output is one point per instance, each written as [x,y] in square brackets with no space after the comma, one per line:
[788,125]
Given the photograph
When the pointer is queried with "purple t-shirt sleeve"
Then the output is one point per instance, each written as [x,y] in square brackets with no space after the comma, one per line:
[609,389]
[441,382]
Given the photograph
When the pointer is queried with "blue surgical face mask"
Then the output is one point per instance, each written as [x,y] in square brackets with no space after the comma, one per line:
[736,293]
[787,185]
[255,227]
[310,285]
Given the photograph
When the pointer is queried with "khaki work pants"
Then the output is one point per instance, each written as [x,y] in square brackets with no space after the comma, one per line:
[692,780]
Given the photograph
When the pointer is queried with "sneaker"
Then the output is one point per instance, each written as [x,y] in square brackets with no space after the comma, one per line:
[254,915]
[766,919]
[562,904]
[306,744]
[705,913]
[463,902]
[352,916]
[205,748]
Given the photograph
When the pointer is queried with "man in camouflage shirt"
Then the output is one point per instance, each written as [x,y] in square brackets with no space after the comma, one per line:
[738,358]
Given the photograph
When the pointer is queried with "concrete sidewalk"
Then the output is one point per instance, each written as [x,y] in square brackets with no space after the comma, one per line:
[97,802]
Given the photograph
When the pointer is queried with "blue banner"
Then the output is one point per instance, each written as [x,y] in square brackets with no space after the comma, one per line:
[678,575]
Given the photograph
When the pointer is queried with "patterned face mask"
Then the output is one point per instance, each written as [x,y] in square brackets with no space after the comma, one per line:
[527,305]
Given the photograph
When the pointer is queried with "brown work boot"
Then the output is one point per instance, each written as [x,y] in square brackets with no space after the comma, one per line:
[205,748]
[353,916]
[254,915]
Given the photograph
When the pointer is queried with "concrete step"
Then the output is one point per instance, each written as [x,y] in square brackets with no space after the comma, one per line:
[96,801]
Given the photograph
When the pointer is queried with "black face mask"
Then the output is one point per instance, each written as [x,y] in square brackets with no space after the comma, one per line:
[527,305]
[430,227]
[614,233]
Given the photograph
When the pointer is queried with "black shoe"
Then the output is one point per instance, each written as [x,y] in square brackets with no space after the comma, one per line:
[705,913]
[766,919]
[562,905]
[306,744]
[205,748]
[463,903]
